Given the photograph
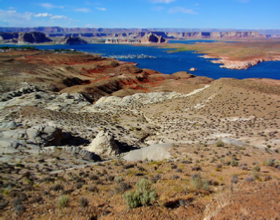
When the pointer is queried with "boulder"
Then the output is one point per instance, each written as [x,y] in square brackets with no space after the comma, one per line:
[155,152]
[41,135]
[10,146]
[8,125]
[233,142]
[183,75]
[53,101]
[44,135]
[77,151]
[193,69]
[104,144]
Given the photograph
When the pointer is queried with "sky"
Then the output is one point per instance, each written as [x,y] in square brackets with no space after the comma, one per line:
[236,14]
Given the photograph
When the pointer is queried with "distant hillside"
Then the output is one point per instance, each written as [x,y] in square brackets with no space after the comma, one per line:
[114,30]
[169,33]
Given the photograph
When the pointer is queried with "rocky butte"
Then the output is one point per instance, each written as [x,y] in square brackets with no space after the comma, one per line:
[86,137]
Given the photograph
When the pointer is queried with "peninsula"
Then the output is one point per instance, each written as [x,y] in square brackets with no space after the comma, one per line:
[240,54]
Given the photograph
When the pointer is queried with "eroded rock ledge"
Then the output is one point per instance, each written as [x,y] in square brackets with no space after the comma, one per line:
[239,65]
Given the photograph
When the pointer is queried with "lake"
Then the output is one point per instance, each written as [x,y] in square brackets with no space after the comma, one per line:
[159,59]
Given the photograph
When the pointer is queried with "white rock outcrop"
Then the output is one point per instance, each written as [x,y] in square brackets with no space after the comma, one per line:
[155,152]
[104,145]
[113,103]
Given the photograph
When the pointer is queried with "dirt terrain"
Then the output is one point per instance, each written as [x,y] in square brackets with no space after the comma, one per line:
[88,74]
[224,135]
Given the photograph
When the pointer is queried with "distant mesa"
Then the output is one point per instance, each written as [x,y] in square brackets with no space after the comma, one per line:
[24,37]
[70,36]
[152,38]
[6,37]
[33,37]
[73,40]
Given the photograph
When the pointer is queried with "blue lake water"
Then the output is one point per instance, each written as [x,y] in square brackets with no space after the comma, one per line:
[168,63]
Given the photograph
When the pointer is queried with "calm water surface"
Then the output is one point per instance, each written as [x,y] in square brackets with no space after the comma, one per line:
[169,63]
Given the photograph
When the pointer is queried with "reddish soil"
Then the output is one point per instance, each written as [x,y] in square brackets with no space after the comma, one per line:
[102,75]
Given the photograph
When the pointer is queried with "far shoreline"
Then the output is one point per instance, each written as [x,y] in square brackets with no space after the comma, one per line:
[203,49]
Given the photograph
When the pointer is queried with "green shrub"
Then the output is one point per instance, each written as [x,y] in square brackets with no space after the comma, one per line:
[132,199]
[234,163]
[270,162]
[256,169]
[118,179]
[143,195]
[220,144]
[199,183]
[62,202]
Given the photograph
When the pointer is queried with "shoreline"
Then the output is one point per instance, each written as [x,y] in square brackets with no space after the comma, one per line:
[238,65]
[226,61]
[230,54]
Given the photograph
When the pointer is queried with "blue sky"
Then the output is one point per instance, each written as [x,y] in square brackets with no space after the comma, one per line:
[238,14]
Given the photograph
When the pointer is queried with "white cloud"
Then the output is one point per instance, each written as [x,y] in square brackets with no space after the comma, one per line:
[43,15]
[159,8]
[101,9]
[179,9]
[11,8]
[89,3]
[50,6]
[13,18]
[163,1]
[86,10]
[59,17]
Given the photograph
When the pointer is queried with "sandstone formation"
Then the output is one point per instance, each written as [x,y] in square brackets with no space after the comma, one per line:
[124,36]
[103,145]
[7,37]
[33,37]
[138,33]
[78,152]
[183,75]
[237,64]
[156,152]
[152,38]
[73,41]
[193,69]
[34,138]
